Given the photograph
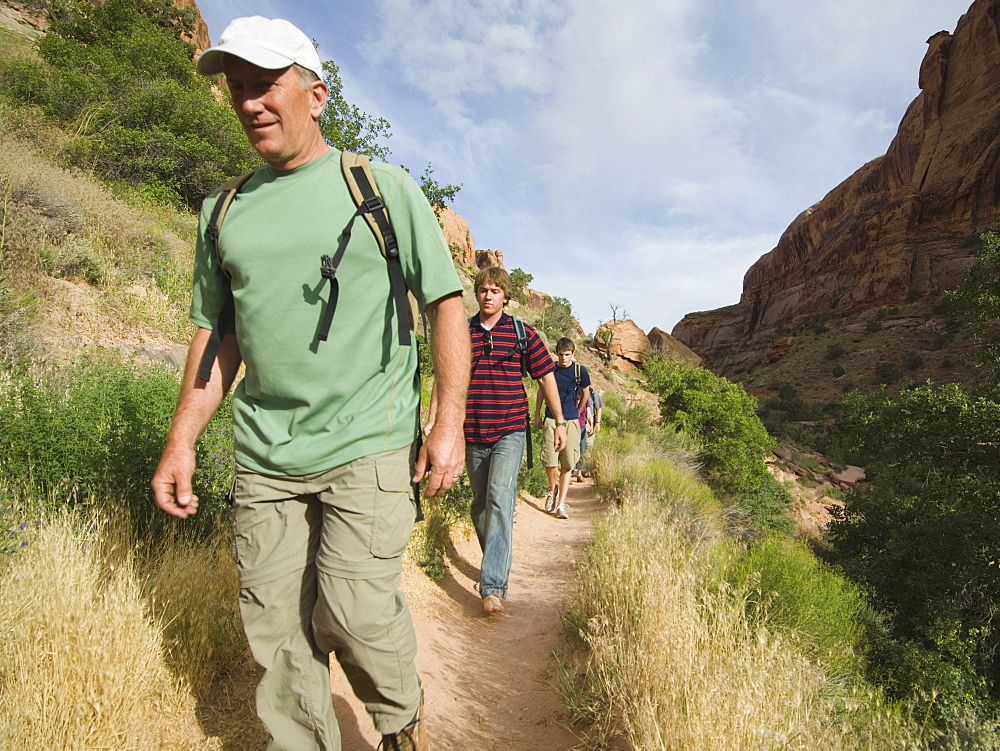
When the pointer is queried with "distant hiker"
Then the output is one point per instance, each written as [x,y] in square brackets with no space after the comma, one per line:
[496,423]
[573,381]
[590,424]
[324,430]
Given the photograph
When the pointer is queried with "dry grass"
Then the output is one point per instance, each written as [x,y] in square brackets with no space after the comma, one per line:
[672,658]
[81,664]
[62,223]
[675,664]
[104,647]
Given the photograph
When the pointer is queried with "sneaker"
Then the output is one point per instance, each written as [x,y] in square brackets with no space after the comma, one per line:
[550,501]
[412,737]
[561,512]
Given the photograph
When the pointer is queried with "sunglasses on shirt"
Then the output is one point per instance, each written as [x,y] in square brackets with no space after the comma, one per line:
[487,343]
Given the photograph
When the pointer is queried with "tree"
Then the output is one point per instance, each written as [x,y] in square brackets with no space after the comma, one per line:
[922,535]
[608,330]
[437,195]
[519,281]
[346,127]
[975,303]
[557,319]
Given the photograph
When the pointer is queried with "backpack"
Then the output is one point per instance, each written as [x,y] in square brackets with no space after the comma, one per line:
[522,347]
[361,183]
[522,342]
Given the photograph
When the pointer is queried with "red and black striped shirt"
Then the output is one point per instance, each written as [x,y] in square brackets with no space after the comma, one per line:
[497,403]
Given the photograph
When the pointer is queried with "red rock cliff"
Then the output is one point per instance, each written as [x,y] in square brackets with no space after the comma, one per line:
[895,230]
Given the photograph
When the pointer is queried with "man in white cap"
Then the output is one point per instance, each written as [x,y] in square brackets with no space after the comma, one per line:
[324,429]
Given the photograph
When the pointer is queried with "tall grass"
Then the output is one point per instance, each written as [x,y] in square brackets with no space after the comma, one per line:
[691,642]
[80,661]
[109,645]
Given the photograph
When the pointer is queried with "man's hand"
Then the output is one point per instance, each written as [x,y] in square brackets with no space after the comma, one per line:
[559,442]
[441,460]
[171,482]
[539,421]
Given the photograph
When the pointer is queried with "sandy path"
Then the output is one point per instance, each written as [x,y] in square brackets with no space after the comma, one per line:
[485,678]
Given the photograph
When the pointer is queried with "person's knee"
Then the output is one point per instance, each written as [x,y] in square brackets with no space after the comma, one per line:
[350,612]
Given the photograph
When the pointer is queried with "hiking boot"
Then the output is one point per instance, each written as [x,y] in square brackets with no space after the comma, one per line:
[412,737]
[561,512]
[550,501]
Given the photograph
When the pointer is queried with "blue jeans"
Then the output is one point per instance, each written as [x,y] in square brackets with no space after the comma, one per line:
[493,469]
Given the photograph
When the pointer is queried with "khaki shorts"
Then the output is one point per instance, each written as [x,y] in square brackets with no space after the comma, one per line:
[570,454]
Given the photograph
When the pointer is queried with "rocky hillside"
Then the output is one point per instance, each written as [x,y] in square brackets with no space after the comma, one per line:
[893,234]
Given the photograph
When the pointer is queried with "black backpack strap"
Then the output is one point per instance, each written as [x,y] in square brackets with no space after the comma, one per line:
[328,270]
[227,316]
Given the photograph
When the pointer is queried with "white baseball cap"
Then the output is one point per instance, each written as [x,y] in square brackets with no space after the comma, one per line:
[269,43]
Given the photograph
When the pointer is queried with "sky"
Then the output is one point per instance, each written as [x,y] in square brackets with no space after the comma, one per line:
[637,155]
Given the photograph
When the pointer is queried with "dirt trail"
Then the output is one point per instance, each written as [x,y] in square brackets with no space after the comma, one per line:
[485,678]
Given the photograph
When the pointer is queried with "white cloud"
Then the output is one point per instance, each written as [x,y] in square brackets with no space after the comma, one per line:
[644,153]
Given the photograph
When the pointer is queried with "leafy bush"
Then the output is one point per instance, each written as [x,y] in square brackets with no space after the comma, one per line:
[918,536]
[720,413]
[121,77]
[97,427]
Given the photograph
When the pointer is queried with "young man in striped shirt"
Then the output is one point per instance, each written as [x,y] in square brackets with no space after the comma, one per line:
[496,425]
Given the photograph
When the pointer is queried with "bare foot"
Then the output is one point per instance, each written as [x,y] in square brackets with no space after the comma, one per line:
[492,604]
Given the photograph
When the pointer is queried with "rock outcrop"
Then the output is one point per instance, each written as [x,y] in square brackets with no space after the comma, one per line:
[629,345]
[199,38]
[661,341]
[895,230]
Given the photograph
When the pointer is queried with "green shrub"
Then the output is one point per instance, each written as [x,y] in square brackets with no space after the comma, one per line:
[802,596]
[440,516]
[121,77]
[767,503]
[533,481]
[916,534]
[97,428]
[886,373]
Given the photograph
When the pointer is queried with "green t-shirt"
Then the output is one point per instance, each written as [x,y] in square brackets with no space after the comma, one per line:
[307,406]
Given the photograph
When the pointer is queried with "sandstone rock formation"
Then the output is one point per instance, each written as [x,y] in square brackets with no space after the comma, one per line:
[199,38]
[629,345]
[661,341]
[895,230]
[457,234]
[537,300]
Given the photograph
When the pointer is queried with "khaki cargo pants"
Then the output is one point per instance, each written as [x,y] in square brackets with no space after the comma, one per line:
[319,560]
